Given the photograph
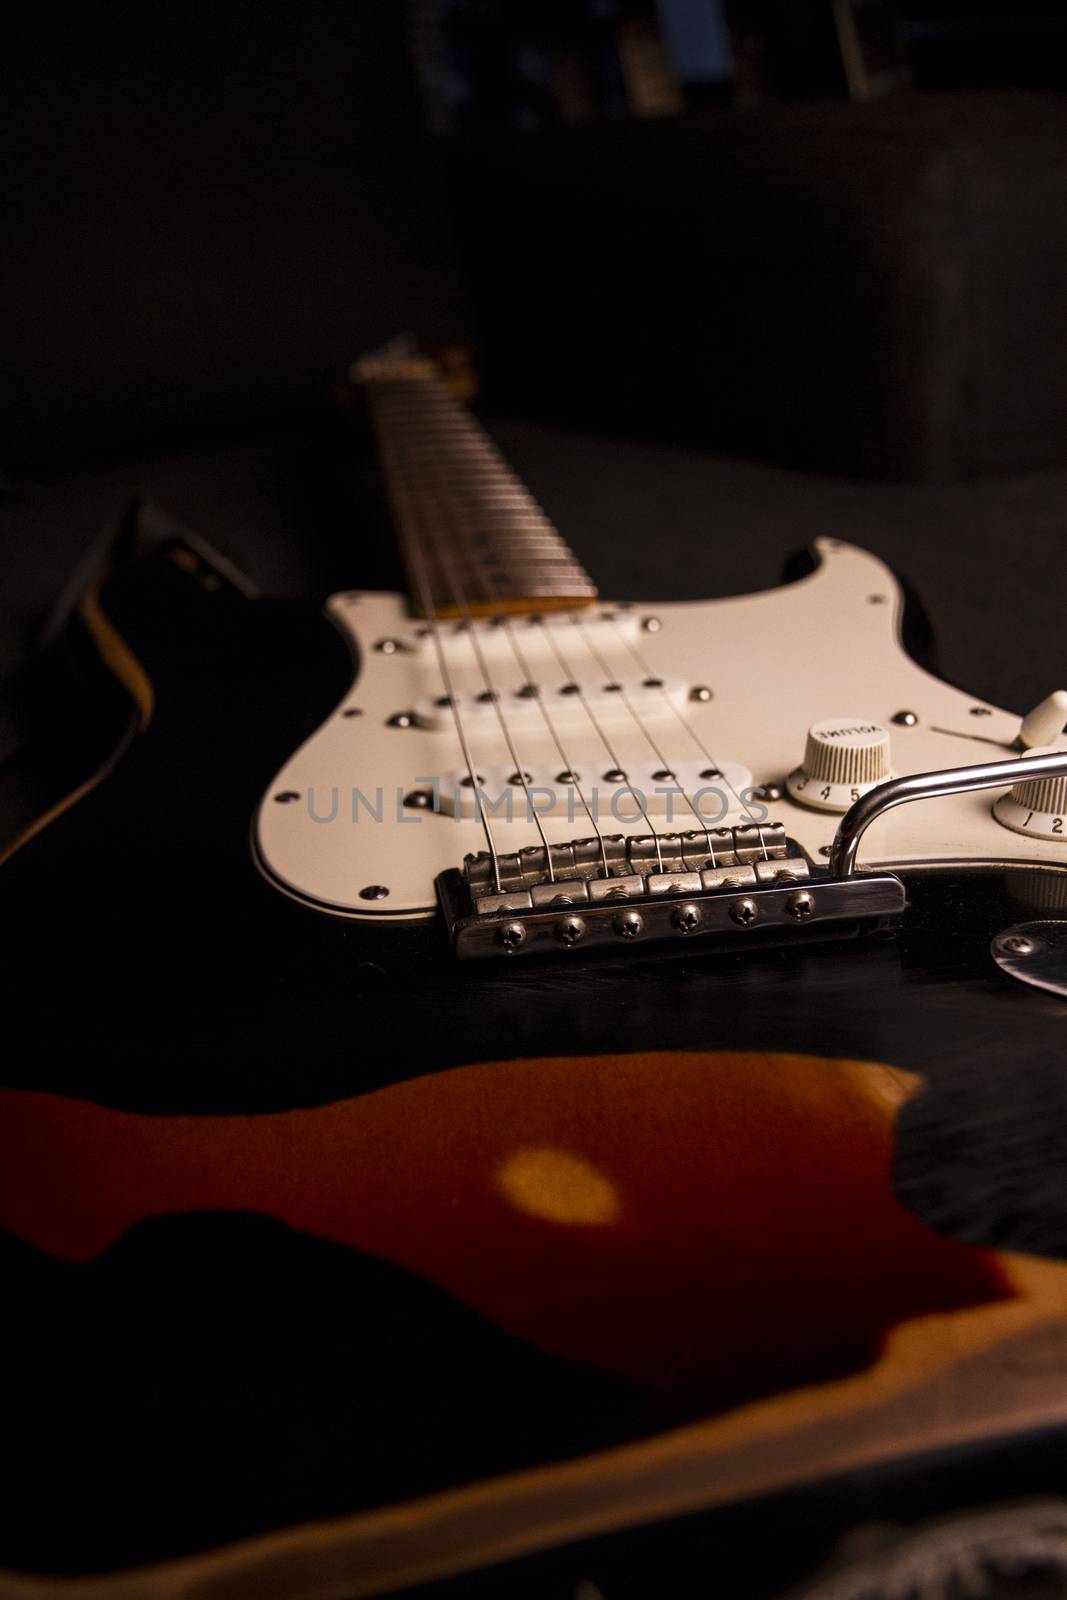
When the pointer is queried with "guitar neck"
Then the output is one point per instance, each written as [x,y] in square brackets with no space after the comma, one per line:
[474,540]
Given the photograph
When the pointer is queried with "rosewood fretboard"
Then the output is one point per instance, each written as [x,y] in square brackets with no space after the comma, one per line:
[474,540]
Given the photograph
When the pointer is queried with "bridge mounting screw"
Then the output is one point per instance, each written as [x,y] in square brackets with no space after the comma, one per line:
[628,924]
[701,692]
[400,719]
[744,911]
[569,930]
[905,719]
[685,918]
[419,799]
[511,935]
[767,791]
[651,624]
[801,904]
[387,647]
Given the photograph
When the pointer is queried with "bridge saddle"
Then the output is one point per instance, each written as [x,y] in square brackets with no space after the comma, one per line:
[643,888]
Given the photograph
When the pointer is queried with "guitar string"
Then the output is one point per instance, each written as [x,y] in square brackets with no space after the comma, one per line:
[429,611]
[568,767]
[448,498]
[453,502]
[459,599]
[425,596]
[616,766]
[665,765]
[701,746]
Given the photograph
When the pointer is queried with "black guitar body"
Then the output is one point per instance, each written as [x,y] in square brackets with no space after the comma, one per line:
[213,1368]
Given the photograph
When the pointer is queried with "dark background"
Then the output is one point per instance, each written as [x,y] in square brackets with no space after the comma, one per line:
[207,217]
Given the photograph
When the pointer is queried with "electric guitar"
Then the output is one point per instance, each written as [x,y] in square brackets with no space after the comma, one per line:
[616,1115]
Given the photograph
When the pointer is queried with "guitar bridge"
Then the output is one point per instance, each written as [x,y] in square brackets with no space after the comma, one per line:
[711,888]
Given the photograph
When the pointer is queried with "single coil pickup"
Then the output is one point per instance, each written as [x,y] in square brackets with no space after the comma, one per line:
[699,850]
[680,909]
[567,702]
[684,793]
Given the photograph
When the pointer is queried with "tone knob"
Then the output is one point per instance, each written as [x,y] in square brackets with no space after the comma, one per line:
[1037,806]
[843,758]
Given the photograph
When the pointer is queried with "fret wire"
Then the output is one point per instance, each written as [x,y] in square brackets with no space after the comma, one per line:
[433,451]
[429,612]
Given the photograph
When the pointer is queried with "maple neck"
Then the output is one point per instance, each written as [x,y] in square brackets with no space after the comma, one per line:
[474,540]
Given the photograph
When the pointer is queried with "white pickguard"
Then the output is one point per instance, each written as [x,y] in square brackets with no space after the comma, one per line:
[827,646]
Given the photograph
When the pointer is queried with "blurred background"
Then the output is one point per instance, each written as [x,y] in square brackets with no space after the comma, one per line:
[728,274]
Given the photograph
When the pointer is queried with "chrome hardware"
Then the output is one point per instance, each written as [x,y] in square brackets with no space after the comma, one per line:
[627,909]
[1035,953]
[728,852]
[801,905]
[929,786]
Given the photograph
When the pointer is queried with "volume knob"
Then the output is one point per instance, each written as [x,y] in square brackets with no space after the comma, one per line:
[1037,807]
[843,758]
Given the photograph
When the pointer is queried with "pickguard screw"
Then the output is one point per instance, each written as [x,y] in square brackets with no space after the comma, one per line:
[352,711]
[981,711]
[767,791]
[876,599]
[1017,944]
[400,719]
[628,924]
[744,911]
[826,849]
[702,693]
[800,905]
[374,891]
[419,799]
[685,918]
[529,691]
[286,797]
[905,719]
[651,624]
[387,647]
[569,930]
[511,935]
